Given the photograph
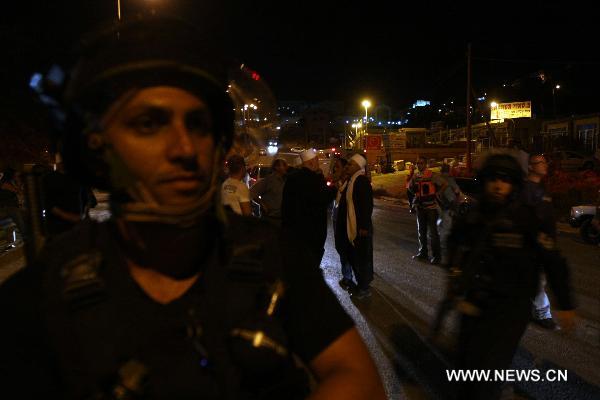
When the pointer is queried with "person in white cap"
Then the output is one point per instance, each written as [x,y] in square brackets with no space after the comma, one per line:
[306,197]
[354,219]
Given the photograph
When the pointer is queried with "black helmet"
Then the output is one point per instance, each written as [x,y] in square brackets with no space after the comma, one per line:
[501,165]
[140,53]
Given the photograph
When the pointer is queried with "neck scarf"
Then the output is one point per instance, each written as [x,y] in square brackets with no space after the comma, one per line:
[351,213]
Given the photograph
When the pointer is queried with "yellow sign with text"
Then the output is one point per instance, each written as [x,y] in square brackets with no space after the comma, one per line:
[520,109]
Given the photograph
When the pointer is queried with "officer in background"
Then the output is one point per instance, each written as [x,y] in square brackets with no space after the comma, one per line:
[306,198]
[495,251]
[425,202]
[171,298]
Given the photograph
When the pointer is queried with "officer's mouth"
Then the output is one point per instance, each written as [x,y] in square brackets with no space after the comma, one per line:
[184,182]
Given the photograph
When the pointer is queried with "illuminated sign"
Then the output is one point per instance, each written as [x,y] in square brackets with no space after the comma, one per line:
[521,109]
[373,142]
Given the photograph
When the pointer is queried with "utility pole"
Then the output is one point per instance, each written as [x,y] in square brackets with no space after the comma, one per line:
[468,126]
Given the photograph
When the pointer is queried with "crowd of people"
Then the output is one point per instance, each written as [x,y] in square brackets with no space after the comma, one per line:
[299,199]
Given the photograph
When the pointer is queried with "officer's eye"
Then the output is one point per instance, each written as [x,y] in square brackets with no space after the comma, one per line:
[198,122]
[149,121]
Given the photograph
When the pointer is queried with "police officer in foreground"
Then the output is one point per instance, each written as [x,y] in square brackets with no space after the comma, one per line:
[172,298]
[495,252]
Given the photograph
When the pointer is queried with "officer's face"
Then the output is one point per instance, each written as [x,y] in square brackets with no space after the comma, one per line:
[164,137]
[498,189]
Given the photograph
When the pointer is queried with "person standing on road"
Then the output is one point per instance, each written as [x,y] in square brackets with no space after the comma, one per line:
[410,196]
[306,198]
[173,297]
[234,192]
[354,227]
[496,250]
[268,192]
[535,195]
[447,196]
[427,212]
[340,178]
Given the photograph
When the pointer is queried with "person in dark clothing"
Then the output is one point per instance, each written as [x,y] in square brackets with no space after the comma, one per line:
[171,298]
[354,228]
[65,201]
[340,178]
[535,195]
[268,191]
[306,198]
[496,250]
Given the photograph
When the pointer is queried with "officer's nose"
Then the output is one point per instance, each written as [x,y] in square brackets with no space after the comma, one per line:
[181,145]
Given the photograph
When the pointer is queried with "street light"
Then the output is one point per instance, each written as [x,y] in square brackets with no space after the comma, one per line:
[494,105]
[554,89]
[366,104]
[152,9]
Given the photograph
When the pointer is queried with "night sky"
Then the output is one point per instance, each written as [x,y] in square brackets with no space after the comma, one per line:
[393,52]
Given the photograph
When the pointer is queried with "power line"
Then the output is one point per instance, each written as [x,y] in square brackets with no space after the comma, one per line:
[522,61]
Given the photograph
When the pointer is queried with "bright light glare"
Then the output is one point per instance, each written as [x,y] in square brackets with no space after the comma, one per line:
[494,104]
[366,103]
[272,150]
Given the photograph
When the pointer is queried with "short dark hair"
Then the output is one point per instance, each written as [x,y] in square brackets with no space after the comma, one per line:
[445,168]
[343,161]
[235,164]
[422,158]
[534,155]
[277,162]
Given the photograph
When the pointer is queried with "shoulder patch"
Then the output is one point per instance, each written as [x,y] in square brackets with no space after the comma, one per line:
[82,284]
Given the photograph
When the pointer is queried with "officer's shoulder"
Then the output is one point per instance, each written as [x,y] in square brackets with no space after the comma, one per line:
[80,241]
[47,264]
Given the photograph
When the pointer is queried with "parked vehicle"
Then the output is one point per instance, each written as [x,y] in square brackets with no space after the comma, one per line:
[571,161]
[292,159]
[257,172]
[8,234]
[585,218]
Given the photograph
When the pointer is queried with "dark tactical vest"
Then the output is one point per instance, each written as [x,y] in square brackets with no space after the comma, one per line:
[241,349]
